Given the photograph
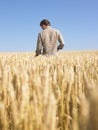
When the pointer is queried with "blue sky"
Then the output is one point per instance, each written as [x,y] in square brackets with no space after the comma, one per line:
[76,19]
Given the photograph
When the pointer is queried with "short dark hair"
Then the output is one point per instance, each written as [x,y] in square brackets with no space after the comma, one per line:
[45,22]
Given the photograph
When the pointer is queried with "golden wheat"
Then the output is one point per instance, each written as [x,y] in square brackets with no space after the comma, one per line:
[49,93]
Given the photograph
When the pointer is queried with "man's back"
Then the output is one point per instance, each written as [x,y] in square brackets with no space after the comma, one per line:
[48,39]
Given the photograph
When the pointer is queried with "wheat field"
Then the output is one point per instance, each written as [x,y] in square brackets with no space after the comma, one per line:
[49,93]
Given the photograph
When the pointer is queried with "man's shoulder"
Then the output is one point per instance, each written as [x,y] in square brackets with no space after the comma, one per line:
[54,29]
[49,30]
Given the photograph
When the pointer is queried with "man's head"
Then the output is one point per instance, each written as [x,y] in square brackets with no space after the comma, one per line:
[44,24]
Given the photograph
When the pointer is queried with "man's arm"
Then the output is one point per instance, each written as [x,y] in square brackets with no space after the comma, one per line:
[61,41]
[39,45]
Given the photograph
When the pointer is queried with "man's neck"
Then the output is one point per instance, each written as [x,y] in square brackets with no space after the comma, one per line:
[46,27]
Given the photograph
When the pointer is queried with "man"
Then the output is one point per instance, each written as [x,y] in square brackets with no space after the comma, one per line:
[47,42]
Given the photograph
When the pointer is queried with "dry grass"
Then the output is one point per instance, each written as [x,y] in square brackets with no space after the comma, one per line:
[49,93]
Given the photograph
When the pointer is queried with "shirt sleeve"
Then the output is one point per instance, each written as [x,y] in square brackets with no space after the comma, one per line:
[61,42]
[39,45]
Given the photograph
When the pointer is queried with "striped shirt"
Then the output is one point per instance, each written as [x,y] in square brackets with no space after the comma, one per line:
[47,42]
